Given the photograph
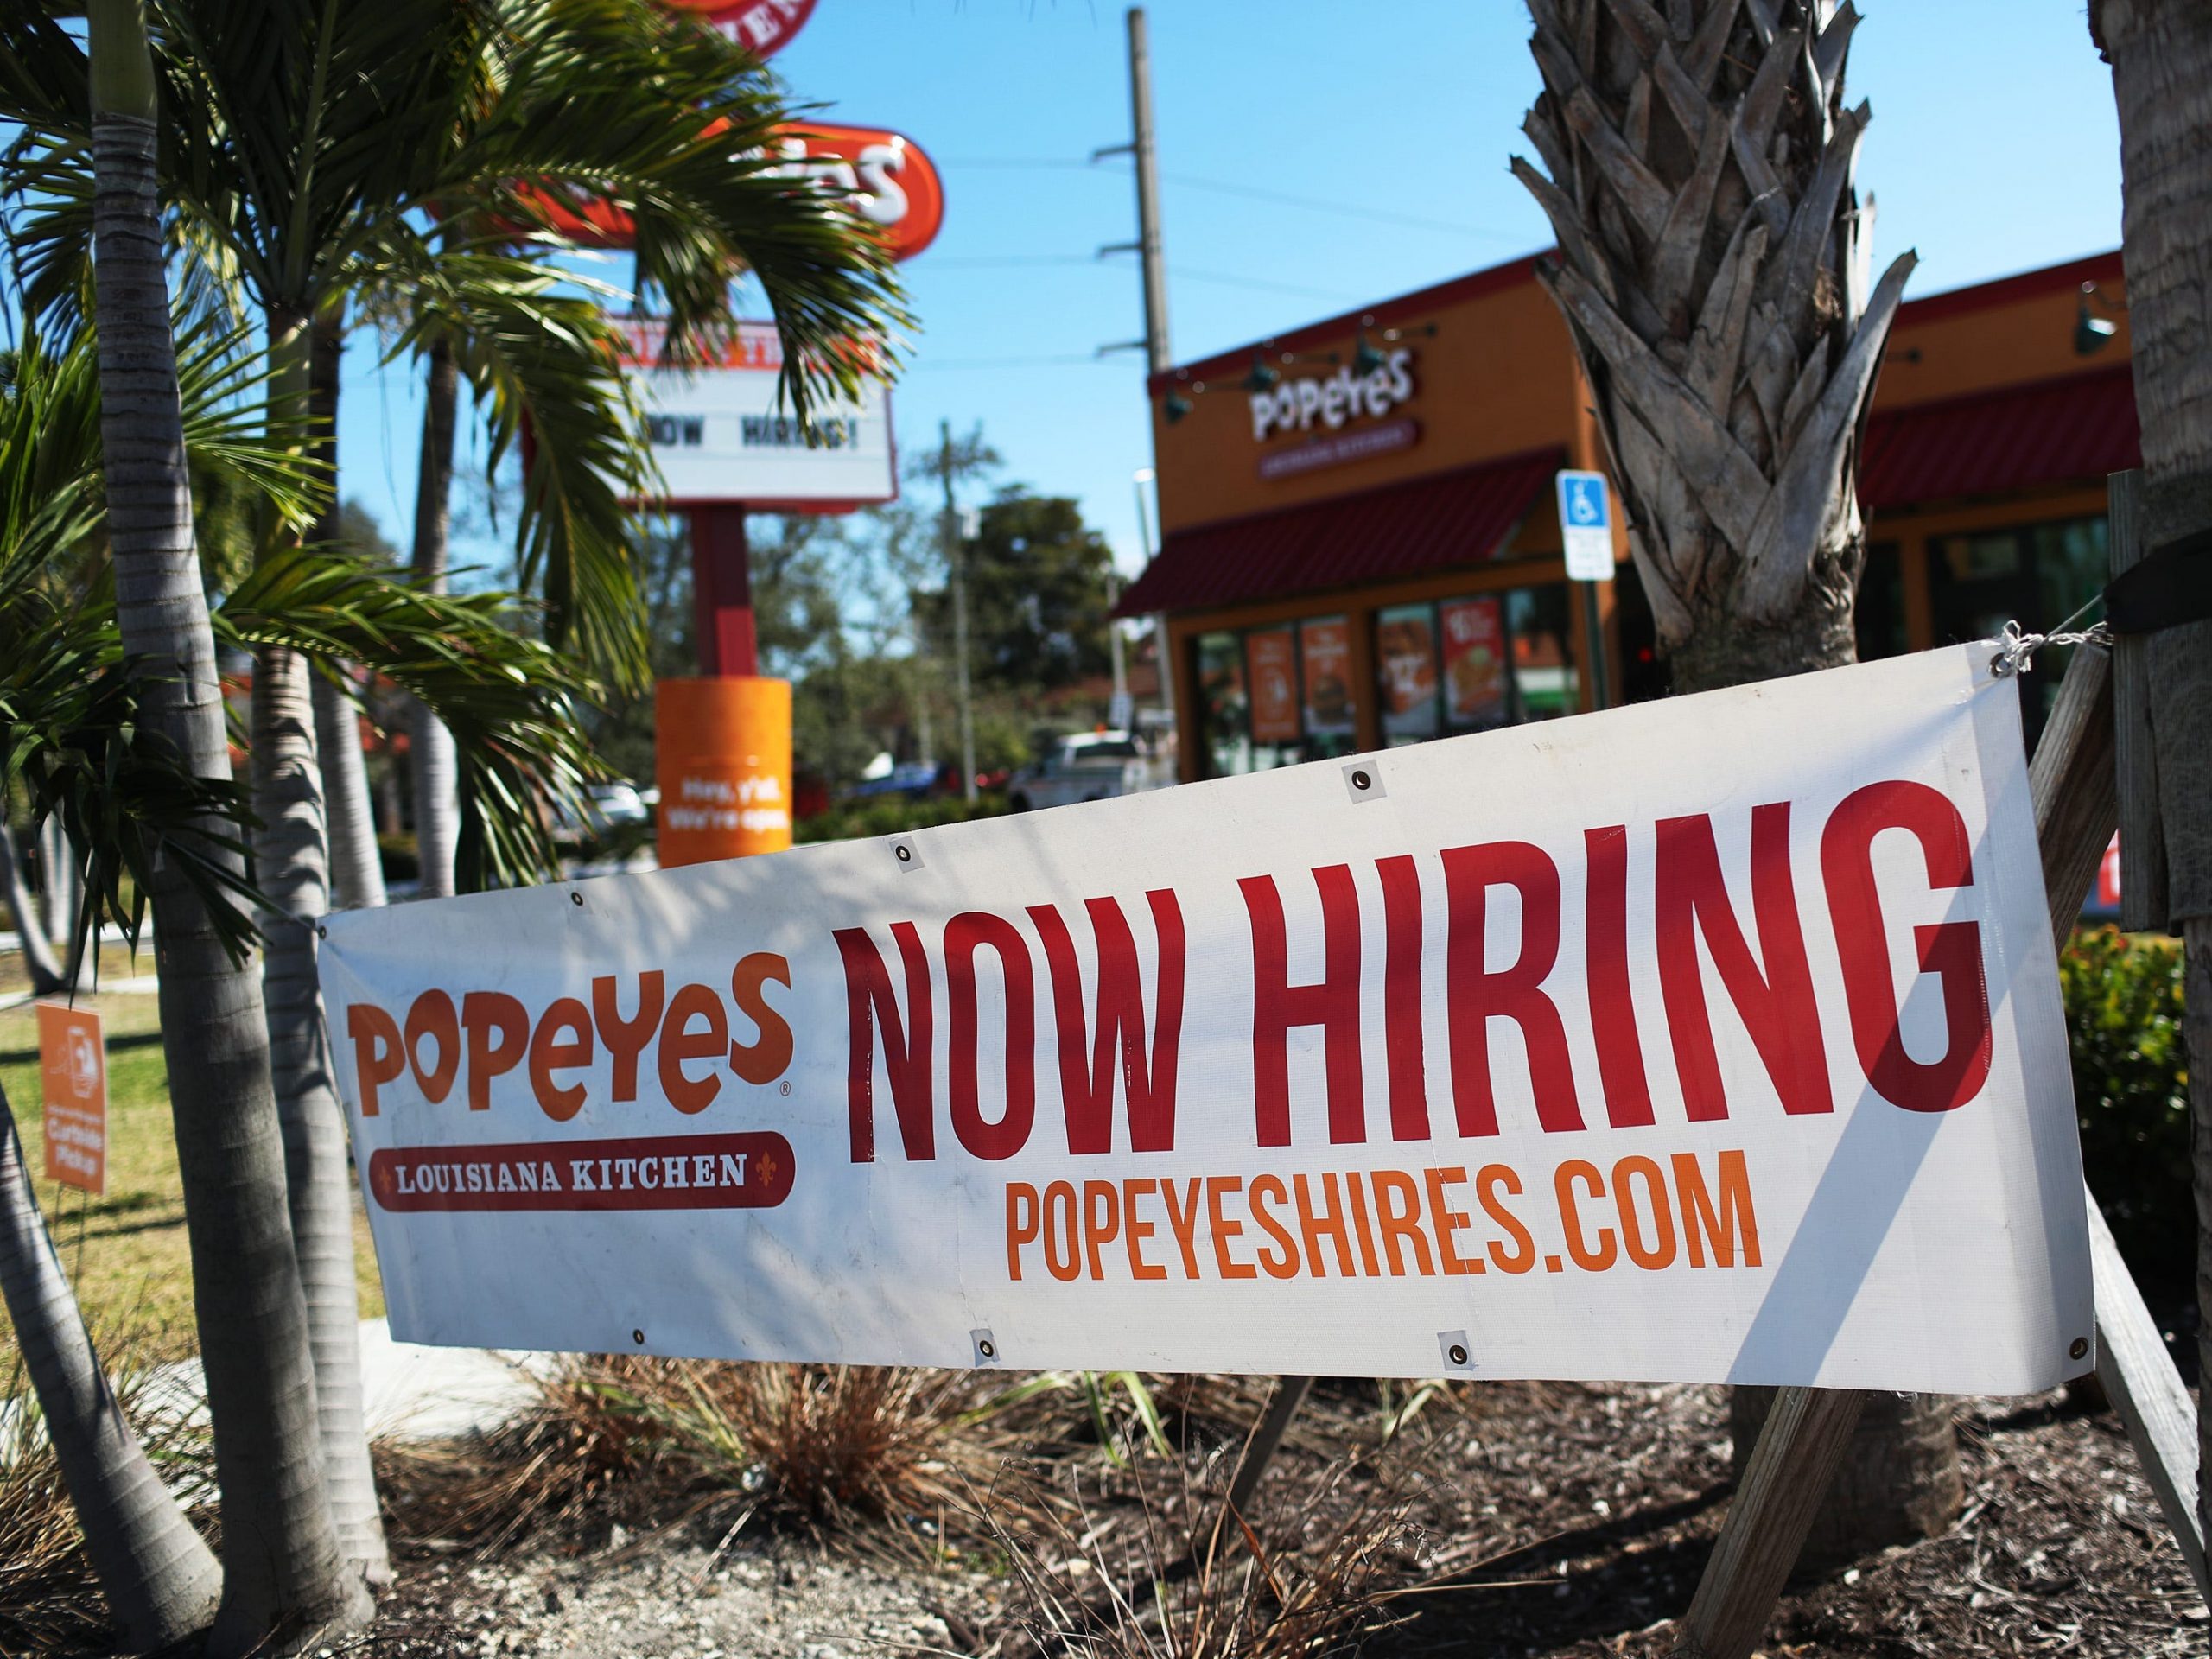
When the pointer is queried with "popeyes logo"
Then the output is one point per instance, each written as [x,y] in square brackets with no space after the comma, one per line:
[1330,401]
[883,177]
[763,27]
[691,1038]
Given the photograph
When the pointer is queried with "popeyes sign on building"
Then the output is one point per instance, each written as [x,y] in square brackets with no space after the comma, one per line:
[1655,1044]
[1338,417]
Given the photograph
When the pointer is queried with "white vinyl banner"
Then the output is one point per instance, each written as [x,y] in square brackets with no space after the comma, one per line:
[1713,1038]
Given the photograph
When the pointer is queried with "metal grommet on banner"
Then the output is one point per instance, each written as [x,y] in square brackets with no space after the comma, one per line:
[1458,1356]
[908,855]
[2079,1350]
[986,1347]
[575,899]
[1364,781]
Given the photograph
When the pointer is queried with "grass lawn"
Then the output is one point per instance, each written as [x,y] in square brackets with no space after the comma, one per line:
[126,1251]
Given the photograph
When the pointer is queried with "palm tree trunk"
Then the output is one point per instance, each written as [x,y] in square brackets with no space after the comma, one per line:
[357,876]
[2161,56]
[65,890]
[437,809]
[283,1576]
[291,862]
[161,1580]
[1713,271]
[45,969]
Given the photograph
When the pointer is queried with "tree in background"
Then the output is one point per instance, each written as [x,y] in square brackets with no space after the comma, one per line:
[1037,605]
[1713,270]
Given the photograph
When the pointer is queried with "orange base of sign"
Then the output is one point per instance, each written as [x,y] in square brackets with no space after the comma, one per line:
[723,757]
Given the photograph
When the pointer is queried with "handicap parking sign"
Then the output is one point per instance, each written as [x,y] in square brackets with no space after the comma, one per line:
[1585,523]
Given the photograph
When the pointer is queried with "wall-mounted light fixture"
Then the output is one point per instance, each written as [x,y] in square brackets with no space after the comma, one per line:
[1264,376]
[1367,356]
[2093,332]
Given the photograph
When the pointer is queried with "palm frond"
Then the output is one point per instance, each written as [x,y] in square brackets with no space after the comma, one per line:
[509,700]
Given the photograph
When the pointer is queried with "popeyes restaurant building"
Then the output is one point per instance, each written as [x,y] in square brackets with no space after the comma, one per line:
[1361,549]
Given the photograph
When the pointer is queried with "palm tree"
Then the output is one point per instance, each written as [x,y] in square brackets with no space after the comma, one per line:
[2161,57]
[67,703]
[63,692]
[161,1580]
[282,1574]
[1713,269]
[316,140]
[437,809]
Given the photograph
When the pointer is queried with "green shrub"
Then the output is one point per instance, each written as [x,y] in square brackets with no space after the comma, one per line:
[895,815]
[2131,1088]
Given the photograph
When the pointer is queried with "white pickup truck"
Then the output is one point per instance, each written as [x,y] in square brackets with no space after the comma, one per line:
[1086,766]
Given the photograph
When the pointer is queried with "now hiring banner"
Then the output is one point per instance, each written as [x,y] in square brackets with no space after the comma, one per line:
[1711,1039]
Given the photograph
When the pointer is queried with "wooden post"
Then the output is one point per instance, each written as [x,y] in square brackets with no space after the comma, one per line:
[1260,1450]
[2142,838]
[1798,1452]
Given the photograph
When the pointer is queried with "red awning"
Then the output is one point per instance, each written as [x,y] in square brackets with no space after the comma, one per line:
[2071,430]
[1457,517]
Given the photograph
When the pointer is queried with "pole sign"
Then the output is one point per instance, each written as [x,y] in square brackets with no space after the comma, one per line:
[1658,1044]
[723,433]
[885,176]
[763,27]
[1586,524]
[72,1078]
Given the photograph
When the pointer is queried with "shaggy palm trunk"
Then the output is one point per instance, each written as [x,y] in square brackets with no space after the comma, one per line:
[45,969]
[161,1580]
[2161,55]
[437,810]
[291,862]
[1711,268]
[283,1578]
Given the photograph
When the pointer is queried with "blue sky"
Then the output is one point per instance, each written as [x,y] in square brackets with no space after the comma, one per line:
[1994,148]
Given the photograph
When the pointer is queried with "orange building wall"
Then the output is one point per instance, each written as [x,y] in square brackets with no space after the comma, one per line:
[1497,378]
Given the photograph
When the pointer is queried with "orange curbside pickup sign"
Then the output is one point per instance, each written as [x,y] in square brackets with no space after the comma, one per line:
[724,763]
[72,1078]
[1711,1039]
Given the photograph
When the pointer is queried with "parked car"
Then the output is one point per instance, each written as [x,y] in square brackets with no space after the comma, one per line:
[1085,766]
[606,806]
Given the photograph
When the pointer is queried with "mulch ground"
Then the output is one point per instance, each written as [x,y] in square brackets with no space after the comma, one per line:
[1517,1519]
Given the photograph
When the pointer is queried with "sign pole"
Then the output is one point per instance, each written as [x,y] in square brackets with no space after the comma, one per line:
[1593,634]
[721,592]
[1586,532]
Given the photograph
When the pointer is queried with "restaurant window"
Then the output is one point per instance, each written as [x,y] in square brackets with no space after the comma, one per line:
[1276,696]
[2036,574]
[1879,614]
[1474,664]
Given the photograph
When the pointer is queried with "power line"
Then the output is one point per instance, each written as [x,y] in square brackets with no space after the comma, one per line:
[1314,204]
[1183,273]
[923,365]
[1230,187]
[993,261]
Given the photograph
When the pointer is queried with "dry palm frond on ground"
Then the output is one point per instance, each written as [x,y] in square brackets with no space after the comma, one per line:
[49,1599]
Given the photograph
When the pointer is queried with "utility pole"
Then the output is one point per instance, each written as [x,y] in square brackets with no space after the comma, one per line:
[956,558]
[1151,260]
